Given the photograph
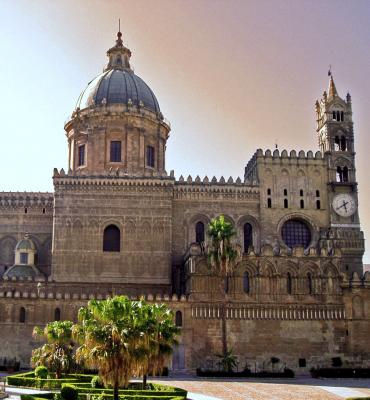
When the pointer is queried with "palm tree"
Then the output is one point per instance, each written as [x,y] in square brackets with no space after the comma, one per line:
[122,338]
[223,257]
[57,353]
[161,336]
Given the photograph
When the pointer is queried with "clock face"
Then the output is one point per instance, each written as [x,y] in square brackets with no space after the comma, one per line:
[344,205]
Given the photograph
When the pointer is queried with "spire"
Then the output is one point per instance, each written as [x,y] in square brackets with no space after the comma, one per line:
[119,55]
[332,89]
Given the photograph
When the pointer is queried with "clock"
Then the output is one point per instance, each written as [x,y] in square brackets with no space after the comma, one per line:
[344,205]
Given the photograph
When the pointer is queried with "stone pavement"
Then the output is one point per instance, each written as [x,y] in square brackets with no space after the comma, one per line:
[270,389]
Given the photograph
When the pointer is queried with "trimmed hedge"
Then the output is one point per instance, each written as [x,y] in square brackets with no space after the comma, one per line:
[287,373]
[82,383]
[42,396]
[29,380]
[154,391]
[340,372]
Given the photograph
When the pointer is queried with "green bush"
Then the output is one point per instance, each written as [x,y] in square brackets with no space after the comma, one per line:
[69,392]
[41,372]
[96,382]
[358,398]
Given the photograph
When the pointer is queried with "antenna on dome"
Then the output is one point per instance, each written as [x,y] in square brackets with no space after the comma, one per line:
[119,24]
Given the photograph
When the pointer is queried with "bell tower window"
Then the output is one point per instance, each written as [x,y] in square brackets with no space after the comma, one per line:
[115,151]
[150,156]
[81,155]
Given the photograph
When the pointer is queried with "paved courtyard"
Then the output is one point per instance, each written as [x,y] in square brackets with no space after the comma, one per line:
[269,389]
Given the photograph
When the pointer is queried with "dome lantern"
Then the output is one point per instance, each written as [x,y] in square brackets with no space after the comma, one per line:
[119,56]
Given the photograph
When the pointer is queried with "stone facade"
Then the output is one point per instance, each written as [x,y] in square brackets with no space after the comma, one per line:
[298,293]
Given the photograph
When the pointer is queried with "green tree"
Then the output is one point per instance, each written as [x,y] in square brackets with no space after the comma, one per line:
[160,338]
[122,338]
[57,353]
[223,256]
[227,361]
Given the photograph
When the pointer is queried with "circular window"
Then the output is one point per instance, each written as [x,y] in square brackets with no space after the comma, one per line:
[296,233]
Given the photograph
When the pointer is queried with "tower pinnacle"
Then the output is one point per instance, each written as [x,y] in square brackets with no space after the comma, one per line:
[332,91]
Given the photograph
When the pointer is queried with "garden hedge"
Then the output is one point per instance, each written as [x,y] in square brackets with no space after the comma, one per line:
[82,383]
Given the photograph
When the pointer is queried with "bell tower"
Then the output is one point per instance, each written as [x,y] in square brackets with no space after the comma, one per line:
[336,141]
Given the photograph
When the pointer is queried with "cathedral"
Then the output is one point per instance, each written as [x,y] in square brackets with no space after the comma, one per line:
[119,223]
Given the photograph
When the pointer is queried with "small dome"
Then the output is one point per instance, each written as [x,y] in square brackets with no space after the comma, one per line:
[118,86]
[25,244]
[22,271]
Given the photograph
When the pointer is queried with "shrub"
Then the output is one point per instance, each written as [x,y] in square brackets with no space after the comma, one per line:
[96,382]
[69,392]
[41,372]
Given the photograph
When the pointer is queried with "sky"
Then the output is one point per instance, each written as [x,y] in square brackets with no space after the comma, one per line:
[231,76]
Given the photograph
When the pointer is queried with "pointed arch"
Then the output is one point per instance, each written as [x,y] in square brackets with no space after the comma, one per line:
[112,239]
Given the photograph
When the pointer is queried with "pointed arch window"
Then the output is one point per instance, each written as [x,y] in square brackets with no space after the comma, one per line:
[178,318]
[309,283]
[112,239]
[248,237]
[57,314]
[269,202]
[199,232]
[289,283]
[246,282]
[22,315]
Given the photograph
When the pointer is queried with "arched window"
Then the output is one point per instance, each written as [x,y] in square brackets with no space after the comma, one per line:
[246,283]
[248,237]
[285,203]
[226,284]
[269,192]
[178,318]
[199,232]
[289,283]
[342,116]
[22,315]
[339,174]
[309,283]
[318,204]
[345,174]
[57,314]
[112,238]
[301,203]
[301,192]
[336,143]
[269,203]
[343,143]
[285,192]
[317,193]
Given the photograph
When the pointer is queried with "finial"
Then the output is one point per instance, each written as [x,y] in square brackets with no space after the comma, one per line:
[119,34]
[332,89]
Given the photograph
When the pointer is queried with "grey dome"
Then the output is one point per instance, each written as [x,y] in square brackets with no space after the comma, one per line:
[117,86]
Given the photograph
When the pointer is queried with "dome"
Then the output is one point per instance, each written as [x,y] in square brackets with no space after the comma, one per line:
[25,244]
[118,86]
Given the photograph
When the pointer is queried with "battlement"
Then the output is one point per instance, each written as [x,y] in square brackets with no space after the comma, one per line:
[113,177]
[272,157]
[214,188]
[26,199]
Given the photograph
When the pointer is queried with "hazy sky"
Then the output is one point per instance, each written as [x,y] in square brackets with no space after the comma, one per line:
[231,76]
